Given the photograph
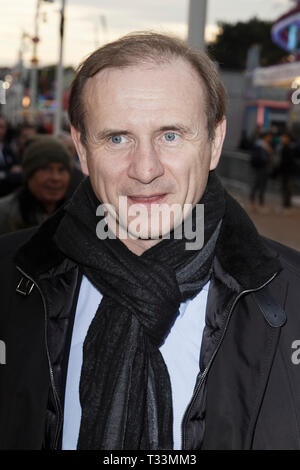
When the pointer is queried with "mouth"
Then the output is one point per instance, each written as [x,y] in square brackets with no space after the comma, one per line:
[151,199]
[53,190]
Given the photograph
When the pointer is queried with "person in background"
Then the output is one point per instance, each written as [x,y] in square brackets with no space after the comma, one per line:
[245,143]
[24,132]
[10,169]
[46,168]
[261,159]
[286,169]
[297,155]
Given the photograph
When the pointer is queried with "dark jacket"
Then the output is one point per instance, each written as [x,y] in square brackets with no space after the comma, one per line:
[248,394]
[287,162]
[19,210]
[260,155]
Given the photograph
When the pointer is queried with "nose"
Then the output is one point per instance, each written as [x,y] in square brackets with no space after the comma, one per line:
[145,165]
[55,175]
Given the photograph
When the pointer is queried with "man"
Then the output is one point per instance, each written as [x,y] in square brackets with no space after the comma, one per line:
[121,331]
[25,132]
[261,164]
[287,168]
[46,168]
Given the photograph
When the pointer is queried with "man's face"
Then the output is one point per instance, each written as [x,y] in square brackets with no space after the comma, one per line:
[147,138]
[49,183]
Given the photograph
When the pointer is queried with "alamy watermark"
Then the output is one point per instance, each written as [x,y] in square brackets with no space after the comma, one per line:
[296,94]
[2,92]
[157,221]
[296,354]
[2,352]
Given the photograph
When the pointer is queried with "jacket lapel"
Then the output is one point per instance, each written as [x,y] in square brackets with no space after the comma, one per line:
[237,380]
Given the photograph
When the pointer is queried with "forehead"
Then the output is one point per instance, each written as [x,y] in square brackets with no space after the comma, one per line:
[168,87]
[52,165]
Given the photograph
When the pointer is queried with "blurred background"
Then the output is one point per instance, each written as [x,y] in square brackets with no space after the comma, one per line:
[256,46]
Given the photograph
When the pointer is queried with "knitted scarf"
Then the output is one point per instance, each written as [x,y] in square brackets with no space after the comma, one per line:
[125,390]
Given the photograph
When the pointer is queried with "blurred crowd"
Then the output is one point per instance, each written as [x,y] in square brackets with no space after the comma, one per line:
[38,173]
[273,155]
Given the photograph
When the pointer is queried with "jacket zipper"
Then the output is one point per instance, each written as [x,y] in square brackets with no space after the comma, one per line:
[203,375]
[57,403]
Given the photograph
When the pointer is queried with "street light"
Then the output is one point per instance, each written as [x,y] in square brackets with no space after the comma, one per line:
[34,61]
[59,74]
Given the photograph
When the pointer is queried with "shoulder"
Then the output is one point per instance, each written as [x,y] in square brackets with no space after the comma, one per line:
[8,200]
[289,258]
[9,245]
[9,211]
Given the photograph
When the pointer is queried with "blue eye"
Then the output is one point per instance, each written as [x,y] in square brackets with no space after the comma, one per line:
[116,139]
[170,136]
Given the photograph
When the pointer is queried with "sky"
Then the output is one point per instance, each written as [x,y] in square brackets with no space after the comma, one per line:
[91,23]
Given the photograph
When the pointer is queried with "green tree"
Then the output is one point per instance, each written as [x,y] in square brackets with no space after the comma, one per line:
[232,43]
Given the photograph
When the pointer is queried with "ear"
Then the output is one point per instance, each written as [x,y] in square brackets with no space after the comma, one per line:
[81,150]
[217,143]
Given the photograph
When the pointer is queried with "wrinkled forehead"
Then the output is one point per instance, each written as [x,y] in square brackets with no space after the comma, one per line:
[147,83]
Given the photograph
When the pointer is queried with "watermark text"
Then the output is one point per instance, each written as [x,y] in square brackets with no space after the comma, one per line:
[152,221]
[296,94]
[296,354]
[2,352]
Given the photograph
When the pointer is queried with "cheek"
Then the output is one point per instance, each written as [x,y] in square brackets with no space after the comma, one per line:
[106,176]
[66,178]
[195,172]
[36,182]
[100,165]
[186,164]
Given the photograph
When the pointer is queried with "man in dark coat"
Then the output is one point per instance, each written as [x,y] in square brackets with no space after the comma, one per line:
[287,168]
[129,320]
[261,155]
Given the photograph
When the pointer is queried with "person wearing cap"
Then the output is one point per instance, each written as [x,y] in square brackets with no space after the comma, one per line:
[46,169]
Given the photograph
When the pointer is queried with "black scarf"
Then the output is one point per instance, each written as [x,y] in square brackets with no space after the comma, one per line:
[125,390]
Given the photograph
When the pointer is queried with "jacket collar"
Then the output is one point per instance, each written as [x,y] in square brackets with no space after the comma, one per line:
[239,249]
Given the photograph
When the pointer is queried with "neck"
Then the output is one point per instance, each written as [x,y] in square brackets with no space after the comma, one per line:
[139,246]
[136,245]
[49,207]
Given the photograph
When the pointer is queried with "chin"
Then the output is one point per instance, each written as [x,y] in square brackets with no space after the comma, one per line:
[52,199]
[148,234]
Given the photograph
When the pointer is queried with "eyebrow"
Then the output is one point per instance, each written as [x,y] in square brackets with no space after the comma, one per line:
[101,135]
[175,127]
[105,133]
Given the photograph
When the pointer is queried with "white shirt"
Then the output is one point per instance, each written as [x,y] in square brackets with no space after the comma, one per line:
[180,350]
